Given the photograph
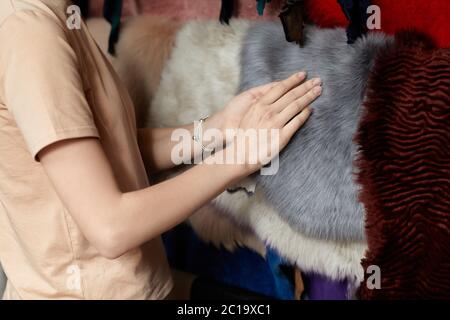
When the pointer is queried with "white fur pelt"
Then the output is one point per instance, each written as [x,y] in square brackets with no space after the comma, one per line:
[200,77]
[144,46]
[219,230]
[199,86]
[337,260]
[202,73]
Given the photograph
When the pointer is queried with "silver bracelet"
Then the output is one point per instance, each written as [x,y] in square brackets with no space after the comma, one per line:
[198,134]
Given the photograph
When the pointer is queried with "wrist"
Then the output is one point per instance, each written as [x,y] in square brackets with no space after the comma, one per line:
[219,123]
[214,122]
[222,121]
[231,168]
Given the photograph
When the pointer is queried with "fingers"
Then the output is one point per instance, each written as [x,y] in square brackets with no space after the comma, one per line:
[296,123]
[298,105]
[265,87]
[257,93]
[282,87]
[296,93]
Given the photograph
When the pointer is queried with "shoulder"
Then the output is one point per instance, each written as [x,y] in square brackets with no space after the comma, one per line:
[26,33]
[31,37]
[32,22]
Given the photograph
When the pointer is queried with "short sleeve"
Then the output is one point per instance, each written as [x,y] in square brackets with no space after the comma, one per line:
[41,83]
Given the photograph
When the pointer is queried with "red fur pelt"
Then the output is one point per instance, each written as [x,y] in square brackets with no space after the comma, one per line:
[427,16]
[404,164]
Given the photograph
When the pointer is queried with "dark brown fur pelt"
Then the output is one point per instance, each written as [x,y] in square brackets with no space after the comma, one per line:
[404,171]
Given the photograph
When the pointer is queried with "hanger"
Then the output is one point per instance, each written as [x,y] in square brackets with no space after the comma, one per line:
[112,11]
[226,11]
[293,17]
[356,13]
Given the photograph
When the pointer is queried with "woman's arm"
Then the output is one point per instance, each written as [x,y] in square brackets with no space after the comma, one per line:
[156,144]
[115,222]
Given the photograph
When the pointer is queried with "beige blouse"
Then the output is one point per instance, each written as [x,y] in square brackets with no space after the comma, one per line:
[55,84]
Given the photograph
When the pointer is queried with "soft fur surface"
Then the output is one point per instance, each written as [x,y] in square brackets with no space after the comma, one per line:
[325,13]
[427,16]
[314,189]
[183,97]
[202,73]
[145,44]
[405,171]
[218,229]
[334,259]
[204,52]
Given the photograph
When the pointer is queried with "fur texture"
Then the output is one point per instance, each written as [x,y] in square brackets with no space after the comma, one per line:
[181,98]
[336,260]
[404,166]
[203,51]
[314,189]
[221,231]
[202,74]
[427,16]
[145,44]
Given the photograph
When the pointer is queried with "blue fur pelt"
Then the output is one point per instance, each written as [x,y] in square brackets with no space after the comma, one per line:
[314,189]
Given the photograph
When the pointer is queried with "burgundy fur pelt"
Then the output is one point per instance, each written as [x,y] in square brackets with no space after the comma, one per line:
[404,171]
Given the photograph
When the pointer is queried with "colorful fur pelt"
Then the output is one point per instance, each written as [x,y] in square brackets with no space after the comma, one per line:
[337,260]
[206,52]
[404,170]
[202,73]
[182,97]
[314,188]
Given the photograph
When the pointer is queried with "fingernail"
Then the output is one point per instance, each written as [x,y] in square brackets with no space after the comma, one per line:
[301,74]
[317,81]
[317,90]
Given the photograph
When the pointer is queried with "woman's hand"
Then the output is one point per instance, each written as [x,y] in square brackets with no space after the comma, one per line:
[280,107]
[231,115]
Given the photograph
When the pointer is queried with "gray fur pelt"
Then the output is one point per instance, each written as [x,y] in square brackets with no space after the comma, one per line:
[314,189]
